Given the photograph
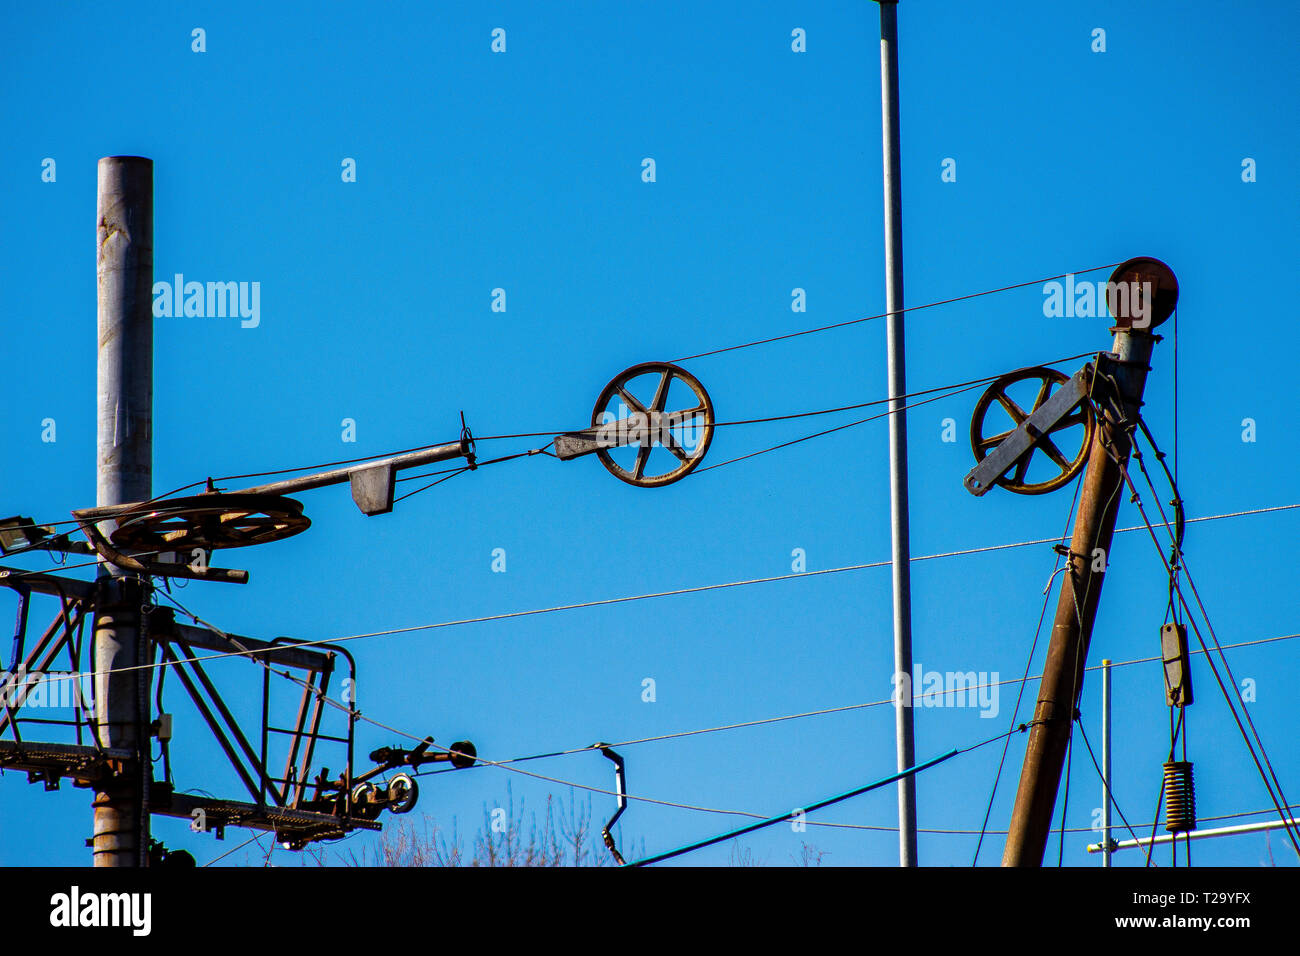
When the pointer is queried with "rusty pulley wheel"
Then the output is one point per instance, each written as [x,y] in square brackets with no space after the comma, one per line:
[663,416]
[210,521]
[1048,445]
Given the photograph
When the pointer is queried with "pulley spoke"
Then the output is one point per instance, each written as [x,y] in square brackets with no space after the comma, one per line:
[661,393]
[1054,453]
[631,400]
[1017,413]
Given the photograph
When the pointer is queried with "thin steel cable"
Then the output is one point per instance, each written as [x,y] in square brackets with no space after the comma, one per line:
[1277,802]
[255,837]
[838,428]
[810,808]
[1029,663]
[436,481]
[1178,561]
[504,763]
[841,709]
[1110,793]
[882,315]
[672,593]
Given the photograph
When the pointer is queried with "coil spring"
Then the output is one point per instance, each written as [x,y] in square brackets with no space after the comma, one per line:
[1180,797]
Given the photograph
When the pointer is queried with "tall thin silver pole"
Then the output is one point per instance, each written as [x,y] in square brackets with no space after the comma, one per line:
[1105,761]
[124,473]
[897,426]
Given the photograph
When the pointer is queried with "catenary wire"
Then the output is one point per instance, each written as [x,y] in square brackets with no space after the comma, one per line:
[1029,662]
[503,764]
[770,821]
[691,590]
[1277,798]
[882,315]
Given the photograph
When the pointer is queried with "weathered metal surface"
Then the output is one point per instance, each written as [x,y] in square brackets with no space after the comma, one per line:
[156,567]
[305,658]
[457,449]
[209,522]
[297,828]
[1177,664]
[645,425]
[1076,610]
[373,488]
[23,580]
[1141,293]
[124,472]
[1014,449]
[83,764]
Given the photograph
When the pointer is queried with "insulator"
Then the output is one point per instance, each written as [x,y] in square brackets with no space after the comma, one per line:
[1180,797]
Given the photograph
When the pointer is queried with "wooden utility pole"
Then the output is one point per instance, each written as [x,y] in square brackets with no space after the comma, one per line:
[1121,375]
[124,270]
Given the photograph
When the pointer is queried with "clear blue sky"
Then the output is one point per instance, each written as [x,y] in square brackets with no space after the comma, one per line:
[522,171]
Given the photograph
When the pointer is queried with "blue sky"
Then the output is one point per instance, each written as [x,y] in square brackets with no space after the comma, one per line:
[522,171]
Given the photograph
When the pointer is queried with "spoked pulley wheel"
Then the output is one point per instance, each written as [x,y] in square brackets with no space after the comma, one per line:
[210,521]
[1074,427]
[663,419]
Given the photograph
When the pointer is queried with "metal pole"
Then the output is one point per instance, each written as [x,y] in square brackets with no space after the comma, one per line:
[901,549]
[1198,835]
[1105,761]
[124,270]
[1076,610]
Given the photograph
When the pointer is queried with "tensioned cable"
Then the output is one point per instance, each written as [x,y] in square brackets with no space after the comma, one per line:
[573,784]
[882,315]
[1278,798]
[837,428]
[821,804]
[732,348]
[920,698]
[692,590]
[504,764]
[1110,793]
[554,432]
[1029,663]
[1177,553]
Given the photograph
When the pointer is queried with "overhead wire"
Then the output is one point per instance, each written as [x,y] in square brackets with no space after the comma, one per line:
[505,764]
[1176,563]
[882,315]
[680,591]
[821,804]
[1038,630]
[1277,798]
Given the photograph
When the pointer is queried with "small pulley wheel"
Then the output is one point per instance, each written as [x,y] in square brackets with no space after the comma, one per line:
[403,792]
[211,521]
[663,418]
[462,754]
[1016,478]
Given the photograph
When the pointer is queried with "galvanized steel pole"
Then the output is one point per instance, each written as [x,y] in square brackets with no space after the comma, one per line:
[124,270]
[901,549]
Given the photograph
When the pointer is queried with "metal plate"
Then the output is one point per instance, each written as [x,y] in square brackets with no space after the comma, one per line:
[1011,451]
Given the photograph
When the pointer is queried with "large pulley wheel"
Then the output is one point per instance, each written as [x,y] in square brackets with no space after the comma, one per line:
[1059,466]
[664,419]
[211,521]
